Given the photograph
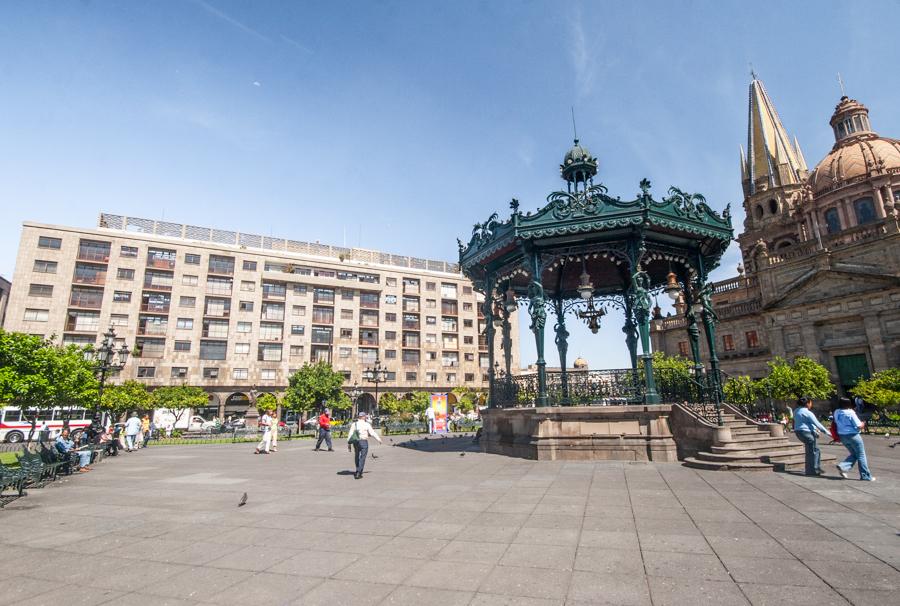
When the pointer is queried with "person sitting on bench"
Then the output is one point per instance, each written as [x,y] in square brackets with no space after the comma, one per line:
[66,447]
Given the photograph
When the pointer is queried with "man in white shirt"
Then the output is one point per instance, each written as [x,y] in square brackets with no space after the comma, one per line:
[429,418]
[265,422]
[132,429]
[361,446]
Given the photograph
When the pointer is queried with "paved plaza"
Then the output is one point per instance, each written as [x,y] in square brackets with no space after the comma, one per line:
[428,525]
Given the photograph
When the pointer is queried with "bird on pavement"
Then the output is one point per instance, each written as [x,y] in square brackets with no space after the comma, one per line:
[243,500]
[462,454]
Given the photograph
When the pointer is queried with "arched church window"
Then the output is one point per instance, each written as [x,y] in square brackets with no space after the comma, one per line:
[832,221]
[865,210]
[773,206]
[784,244]
[758,211]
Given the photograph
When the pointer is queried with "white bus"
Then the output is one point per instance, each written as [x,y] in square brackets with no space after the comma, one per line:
[15,426]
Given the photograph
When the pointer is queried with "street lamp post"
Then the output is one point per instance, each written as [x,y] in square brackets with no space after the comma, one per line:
[376,374]
[105,362]
[354,395]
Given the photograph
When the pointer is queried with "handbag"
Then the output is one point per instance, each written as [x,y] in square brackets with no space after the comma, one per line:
[354,436]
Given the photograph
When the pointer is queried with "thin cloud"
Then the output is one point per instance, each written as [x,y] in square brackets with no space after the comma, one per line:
[295,44]
[582,61]
[231,20]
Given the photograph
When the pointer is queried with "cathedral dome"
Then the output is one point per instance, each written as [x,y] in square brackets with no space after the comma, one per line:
[858,152]
[580,364]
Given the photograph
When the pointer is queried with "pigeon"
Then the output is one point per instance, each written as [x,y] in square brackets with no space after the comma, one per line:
[462,454]
[243,500]
[374,456]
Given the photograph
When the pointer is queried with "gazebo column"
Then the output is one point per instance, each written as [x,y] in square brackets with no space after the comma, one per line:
[709,326]
[488,311]
[640,292]
[538,314]
[507,344]
[630,334]
[562,346]
[693,331]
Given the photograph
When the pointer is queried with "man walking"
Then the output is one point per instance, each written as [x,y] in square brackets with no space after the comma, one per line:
[132,429]
[324,430]
[360,445]
[265,423]
[807,428]
[429,418]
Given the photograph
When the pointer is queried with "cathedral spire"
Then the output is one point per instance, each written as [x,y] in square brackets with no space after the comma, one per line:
[773,160]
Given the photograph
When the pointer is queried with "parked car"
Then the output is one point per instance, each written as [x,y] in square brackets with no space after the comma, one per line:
[198,423]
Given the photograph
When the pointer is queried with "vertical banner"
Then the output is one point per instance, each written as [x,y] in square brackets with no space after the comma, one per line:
[439,404]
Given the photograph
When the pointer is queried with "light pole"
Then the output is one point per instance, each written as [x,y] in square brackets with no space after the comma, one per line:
[376,374]
[354,395]
[105,362]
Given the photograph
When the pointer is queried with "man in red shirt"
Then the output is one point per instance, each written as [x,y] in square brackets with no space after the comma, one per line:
[325,430]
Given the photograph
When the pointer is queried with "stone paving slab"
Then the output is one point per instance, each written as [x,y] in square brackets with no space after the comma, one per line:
[428,526]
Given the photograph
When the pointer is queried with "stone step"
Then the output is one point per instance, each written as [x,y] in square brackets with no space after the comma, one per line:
[765,457]
[751,448]
[753,438]
[728,465]
[798,463]
[743,430]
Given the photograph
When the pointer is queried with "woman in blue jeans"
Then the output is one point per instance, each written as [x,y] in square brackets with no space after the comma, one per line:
[848,426]
[807,428]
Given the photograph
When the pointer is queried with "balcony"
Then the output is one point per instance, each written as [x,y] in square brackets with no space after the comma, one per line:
[75,326]
[410,325]
[93,256]
[217,313]
[157,286]
[157,263]
[152,330]
[154,308]
[449,308]
[85,301]
[368,342]
[96,280]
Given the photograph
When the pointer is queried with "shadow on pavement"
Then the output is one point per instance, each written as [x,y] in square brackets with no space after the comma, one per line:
[461,443]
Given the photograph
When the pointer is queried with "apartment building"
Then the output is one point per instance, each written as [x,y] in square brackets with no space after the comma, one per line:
[230,311]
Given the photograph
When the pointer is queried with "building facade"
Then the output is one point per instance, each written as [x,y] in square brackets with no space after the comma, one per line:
[231,312]
[5,289]
[821,253]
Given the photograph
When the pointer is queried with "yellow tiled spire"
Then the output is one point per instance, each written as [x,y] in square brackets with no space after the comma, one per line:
[773,160]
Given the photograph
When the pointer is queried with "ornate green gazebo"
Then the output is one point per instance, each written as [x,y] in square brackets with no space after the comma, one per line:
[581,253]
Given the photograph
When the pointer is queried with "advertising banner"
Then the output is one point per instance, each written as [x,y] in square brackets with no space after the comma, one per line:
[439,404]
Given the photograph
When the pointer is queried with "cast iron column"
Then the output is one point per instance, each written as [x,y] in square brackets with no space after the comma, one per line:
[693,332]
[507,344]
[562,346]
[538,320]
[640,285]
[488,310]
[709,324]
[630,337]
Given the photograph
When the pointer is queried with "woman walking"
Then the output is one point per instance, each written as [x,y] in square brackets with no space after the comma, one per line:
[360,430]
[807,428]
[848,426]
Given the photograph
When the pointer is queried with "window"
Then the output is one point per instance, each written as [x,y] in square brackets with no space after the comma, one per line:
[832,221]
[182,346]
[865,211]
[345,352]
[410,376]
[347,294]
[431,377]
[468,340]
[449,358]
[297,329]
[270,331]
[323,315]
[191,259]
[48,242]
[683,349]
[121,296]
[248,286]
[40,290]
[220,308]
[430,338]
[244,326]
[268,374]
[390,354]
[213,350]
[269,352]
[470,377]
[431,320]
[239,373]
[323,295]
[773,206]
[125,274]
[184,323]
[89,274]
[469,357]
[130,252]
[346,333]
[241,348]
[44,267]
[728,342]
[467,290]
[218,286]
[215,329]
[188,280]
[449,324]
[146,372]
[390,281]
[467,307]
[274,290]
[221,265]
[390,317]
[118,320]
[448,290]
[752,339]
[210,373]
[37,315]
[161,258]
[299,289]
[272,311]
[368,355]
[431,356]
[411,357]
[298,310]
[187,302]
[245,305]
[467,323]
[249,265]
[179,372]
[430,303]
[451,377]
[322,334]
[390,335]
[346,314]
[296,351]
[390,299]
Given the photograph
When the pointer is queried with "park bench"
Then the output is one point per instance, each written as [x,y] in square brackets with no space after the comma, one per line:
[11,478]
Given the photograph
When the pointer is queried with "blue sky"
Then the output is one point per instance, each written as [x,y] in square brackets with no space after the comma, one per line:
[397,125]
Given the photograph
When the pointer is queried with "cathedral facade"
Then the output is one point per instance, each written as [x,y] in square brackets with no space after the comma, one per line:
[821,253]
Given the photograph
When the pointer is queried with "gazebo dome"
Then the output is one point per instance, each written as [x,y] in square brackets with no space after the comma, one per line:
[580,363]
[578,166]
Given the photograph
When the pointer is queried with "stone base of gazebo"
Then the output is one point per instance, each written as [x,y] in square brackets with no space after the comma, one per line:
[581,433]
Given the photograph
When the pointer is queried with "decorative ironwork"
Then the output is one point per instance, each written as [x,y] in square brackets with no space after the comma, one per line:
[592,315]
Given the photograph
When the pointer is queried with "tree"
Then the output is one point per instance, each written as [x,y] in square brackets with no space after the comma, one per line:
[178,399]
[741,391]
[391,405]
[419,401]
[882,389]
[267,401]
[673,374]
[468,398]
[130,395]
[803,377]
[315,384]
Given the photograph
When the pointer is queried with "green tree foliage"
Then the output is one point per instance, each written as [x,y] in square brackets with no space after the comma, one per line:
[468,398]
[803,377]
[313,384]
[267,401]
[882,389]
[391,405]
[419,401]
[741,391]
[174,397]
[129,396]
[671,373]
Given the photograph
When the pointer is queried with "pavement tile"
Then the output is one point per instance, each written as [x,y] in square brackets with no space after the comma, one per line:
[378,568]
[761,548]
[439,575]
[197,554]
[773,572]
[492,599]
[412,547]
[31,593]
[197,583]
[426,530]
[315,563]
[609,539]
[778,595]
[696,592]
[622,562]
[265,589]
[869,597]
[548,536]
[472,552]
[557,557]
[857,575]
[521,581]
[593,588]
[603,523]
[337,592]
[553,521]
[489,534]
[142,599]
[416,596]
[253,557]
[675,542]
[684,566]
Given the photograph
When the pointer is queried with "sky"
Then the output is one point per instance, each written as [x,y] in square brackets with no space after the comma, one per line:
[397,125]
